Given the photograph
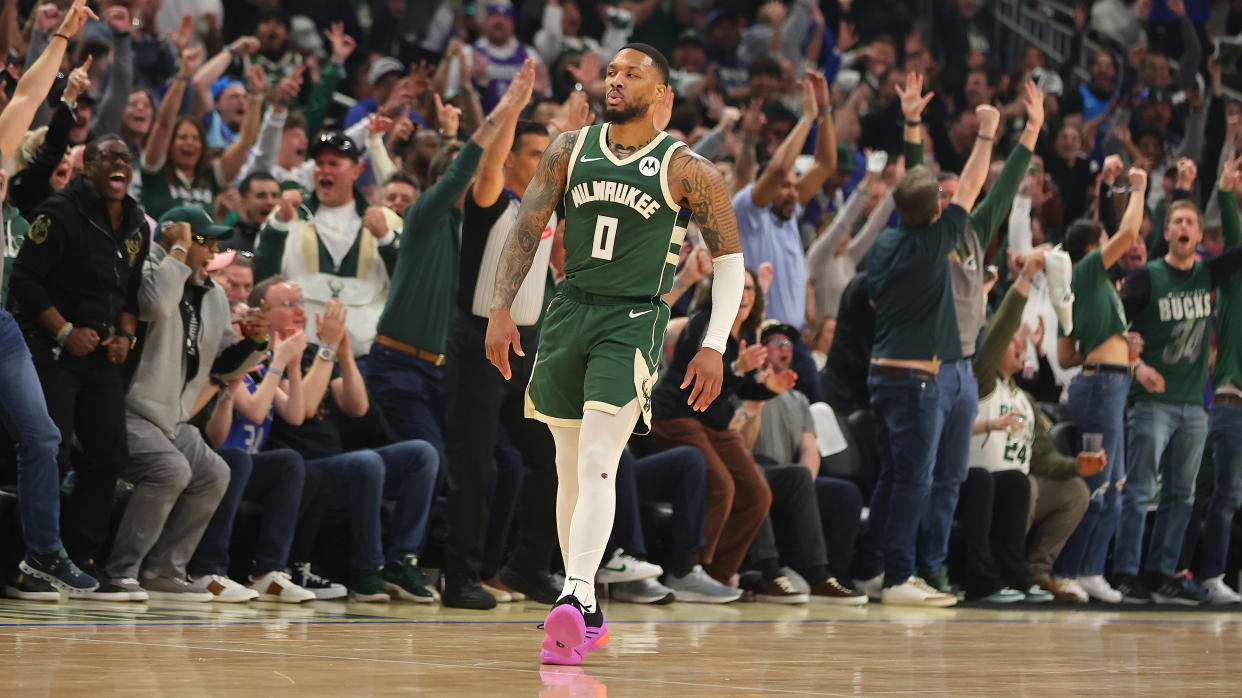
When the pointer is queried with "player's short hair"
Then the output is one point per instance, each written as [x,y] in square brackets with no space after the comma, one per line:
[248,181]
[657,59]
[524,128]
[917,197]
[1081,236]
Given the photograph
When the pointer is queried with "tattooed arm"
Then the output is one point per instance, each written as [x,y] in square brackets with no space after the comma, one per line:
[695,183]
[545,190]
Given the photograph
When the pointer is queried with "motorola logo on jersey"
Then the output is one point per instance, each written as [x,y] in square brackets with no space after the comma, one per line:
[649,166]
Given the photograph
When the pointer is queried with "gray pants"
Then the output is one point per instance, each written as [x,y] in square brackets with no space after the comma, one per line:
[1056,508]
[177,485]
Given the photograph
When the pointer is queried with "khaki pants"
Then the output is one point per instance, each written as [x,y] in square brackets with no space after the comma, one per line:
[1056,508]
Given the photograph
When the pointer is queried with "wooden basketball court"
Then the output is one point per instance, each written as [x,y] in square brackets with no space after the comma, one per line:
[327,648]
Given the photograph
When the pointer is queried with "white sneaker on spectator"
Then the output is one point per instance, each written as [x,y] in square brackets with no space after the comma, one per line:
[277,585]
[1218,592]
[871,587]
[1099,589]
[1059,270]
[223,589]
[915,592]
[623,567]
[649,591]
[699,587]
[171,589]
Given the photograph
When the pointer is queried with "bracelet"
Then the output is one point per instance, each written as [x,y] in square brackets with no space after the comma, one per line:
[825,111]
[986,139]
[64,333]
[489,121]
[913,124]
[58,35]
[179,247]
[280,374]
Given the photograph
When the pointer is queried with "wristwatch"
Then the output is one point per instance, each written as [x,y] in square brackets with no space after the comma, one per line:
[326,353]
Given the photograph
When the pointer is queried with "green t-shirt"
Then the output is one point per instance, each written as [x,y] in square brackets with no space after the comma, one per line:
[622,236]
[913,295]
[1098,314]
[159,194]
[1229,303]
[1176,325]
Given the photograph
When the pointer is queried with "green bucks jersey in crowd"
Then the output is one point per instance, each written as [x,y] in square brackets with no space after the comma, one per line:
[622,235]
[1176,327]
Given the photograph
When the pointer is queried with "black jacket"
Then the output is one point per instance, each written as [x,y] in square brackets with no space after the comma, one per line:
[74,261]
[241,237]
[30,187]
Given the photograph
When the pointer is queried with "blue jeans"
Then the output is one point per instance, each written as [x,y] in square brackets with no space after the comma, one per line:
[1226,433]
[959,403]
[1097,404]
[23,414]
[404,471]
[908,422]
[678,475]
[409,392]
[272,478]
[1168,439]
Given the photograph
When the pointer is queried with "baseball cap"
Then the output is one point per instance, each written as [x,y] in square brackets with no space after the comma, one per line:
[499,7]
[690,36]
[383,66]
[335,140]
[771,327]
[200,223]
[223,260]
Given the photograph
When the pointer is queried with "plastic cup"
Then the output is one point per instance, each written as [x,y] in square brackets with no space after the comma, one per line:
[1092,442]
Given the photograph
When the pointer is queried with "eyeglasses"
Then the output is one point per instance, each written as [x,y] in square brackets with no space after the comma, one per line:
[290,303]
[779,342]
[108,155]
[212,244]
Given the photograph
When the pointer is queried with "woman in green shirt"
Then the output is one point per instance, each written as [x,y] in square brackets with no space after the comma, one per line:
[177,167]
[1097,396]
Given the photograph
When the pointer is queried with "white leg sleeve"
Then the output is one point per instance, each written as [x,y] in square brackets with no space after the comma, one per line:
[566,439]
[598,457]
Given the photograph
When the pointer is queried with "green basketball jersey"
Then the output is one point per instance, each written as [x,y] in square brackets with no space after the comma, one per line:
[622,229]
[1176,327]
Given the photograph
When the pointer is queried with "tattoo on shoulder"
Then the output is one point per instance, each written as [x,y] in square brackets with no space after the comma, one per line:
[699,186]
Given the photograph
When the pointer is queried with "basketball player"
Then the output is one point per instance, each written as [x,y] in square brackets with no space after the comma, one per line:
[623,183]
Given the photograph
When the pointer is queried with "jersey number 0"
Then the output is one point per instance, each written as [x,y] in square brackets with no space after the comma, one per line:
[605,235]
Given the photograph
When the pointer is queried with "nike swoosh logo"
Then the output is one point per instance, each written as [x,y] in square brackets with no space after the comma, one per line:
[634,314]
[586,159]
[613,569]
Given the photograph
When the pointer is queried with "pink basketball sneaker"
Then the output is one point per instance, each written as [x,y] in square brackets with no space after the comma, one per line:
[570,634]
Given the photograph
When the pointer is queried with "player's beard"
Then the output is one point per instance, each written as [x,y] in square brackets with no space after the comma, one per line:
[625,113]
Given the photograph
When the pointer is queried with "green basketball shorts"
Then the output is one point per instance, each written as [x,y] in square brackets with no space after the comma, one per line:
[595,353]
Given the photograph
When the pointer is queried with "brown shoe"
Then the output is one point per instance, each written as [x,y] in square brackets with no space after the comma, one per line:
[495,583]
[1061,592]
[834,592]
[779,590]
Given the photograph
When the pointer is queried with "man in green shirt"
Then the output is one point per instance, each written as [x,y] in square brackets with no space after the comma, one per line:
[1170,302]
[1225,420]
[959,392]
[915,332]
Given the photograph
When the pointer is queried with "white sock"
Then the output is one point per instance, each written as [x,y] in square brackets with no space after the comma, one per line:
[591,524]
[566,439]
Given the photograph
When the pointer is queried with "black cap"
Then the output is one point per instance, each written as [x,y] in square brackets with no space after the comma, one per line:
[690,36]
[335,140]
[772,327]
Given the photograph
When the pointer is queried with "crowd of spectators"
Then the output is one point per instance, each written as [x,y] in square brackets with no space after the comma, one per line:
[989,326]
